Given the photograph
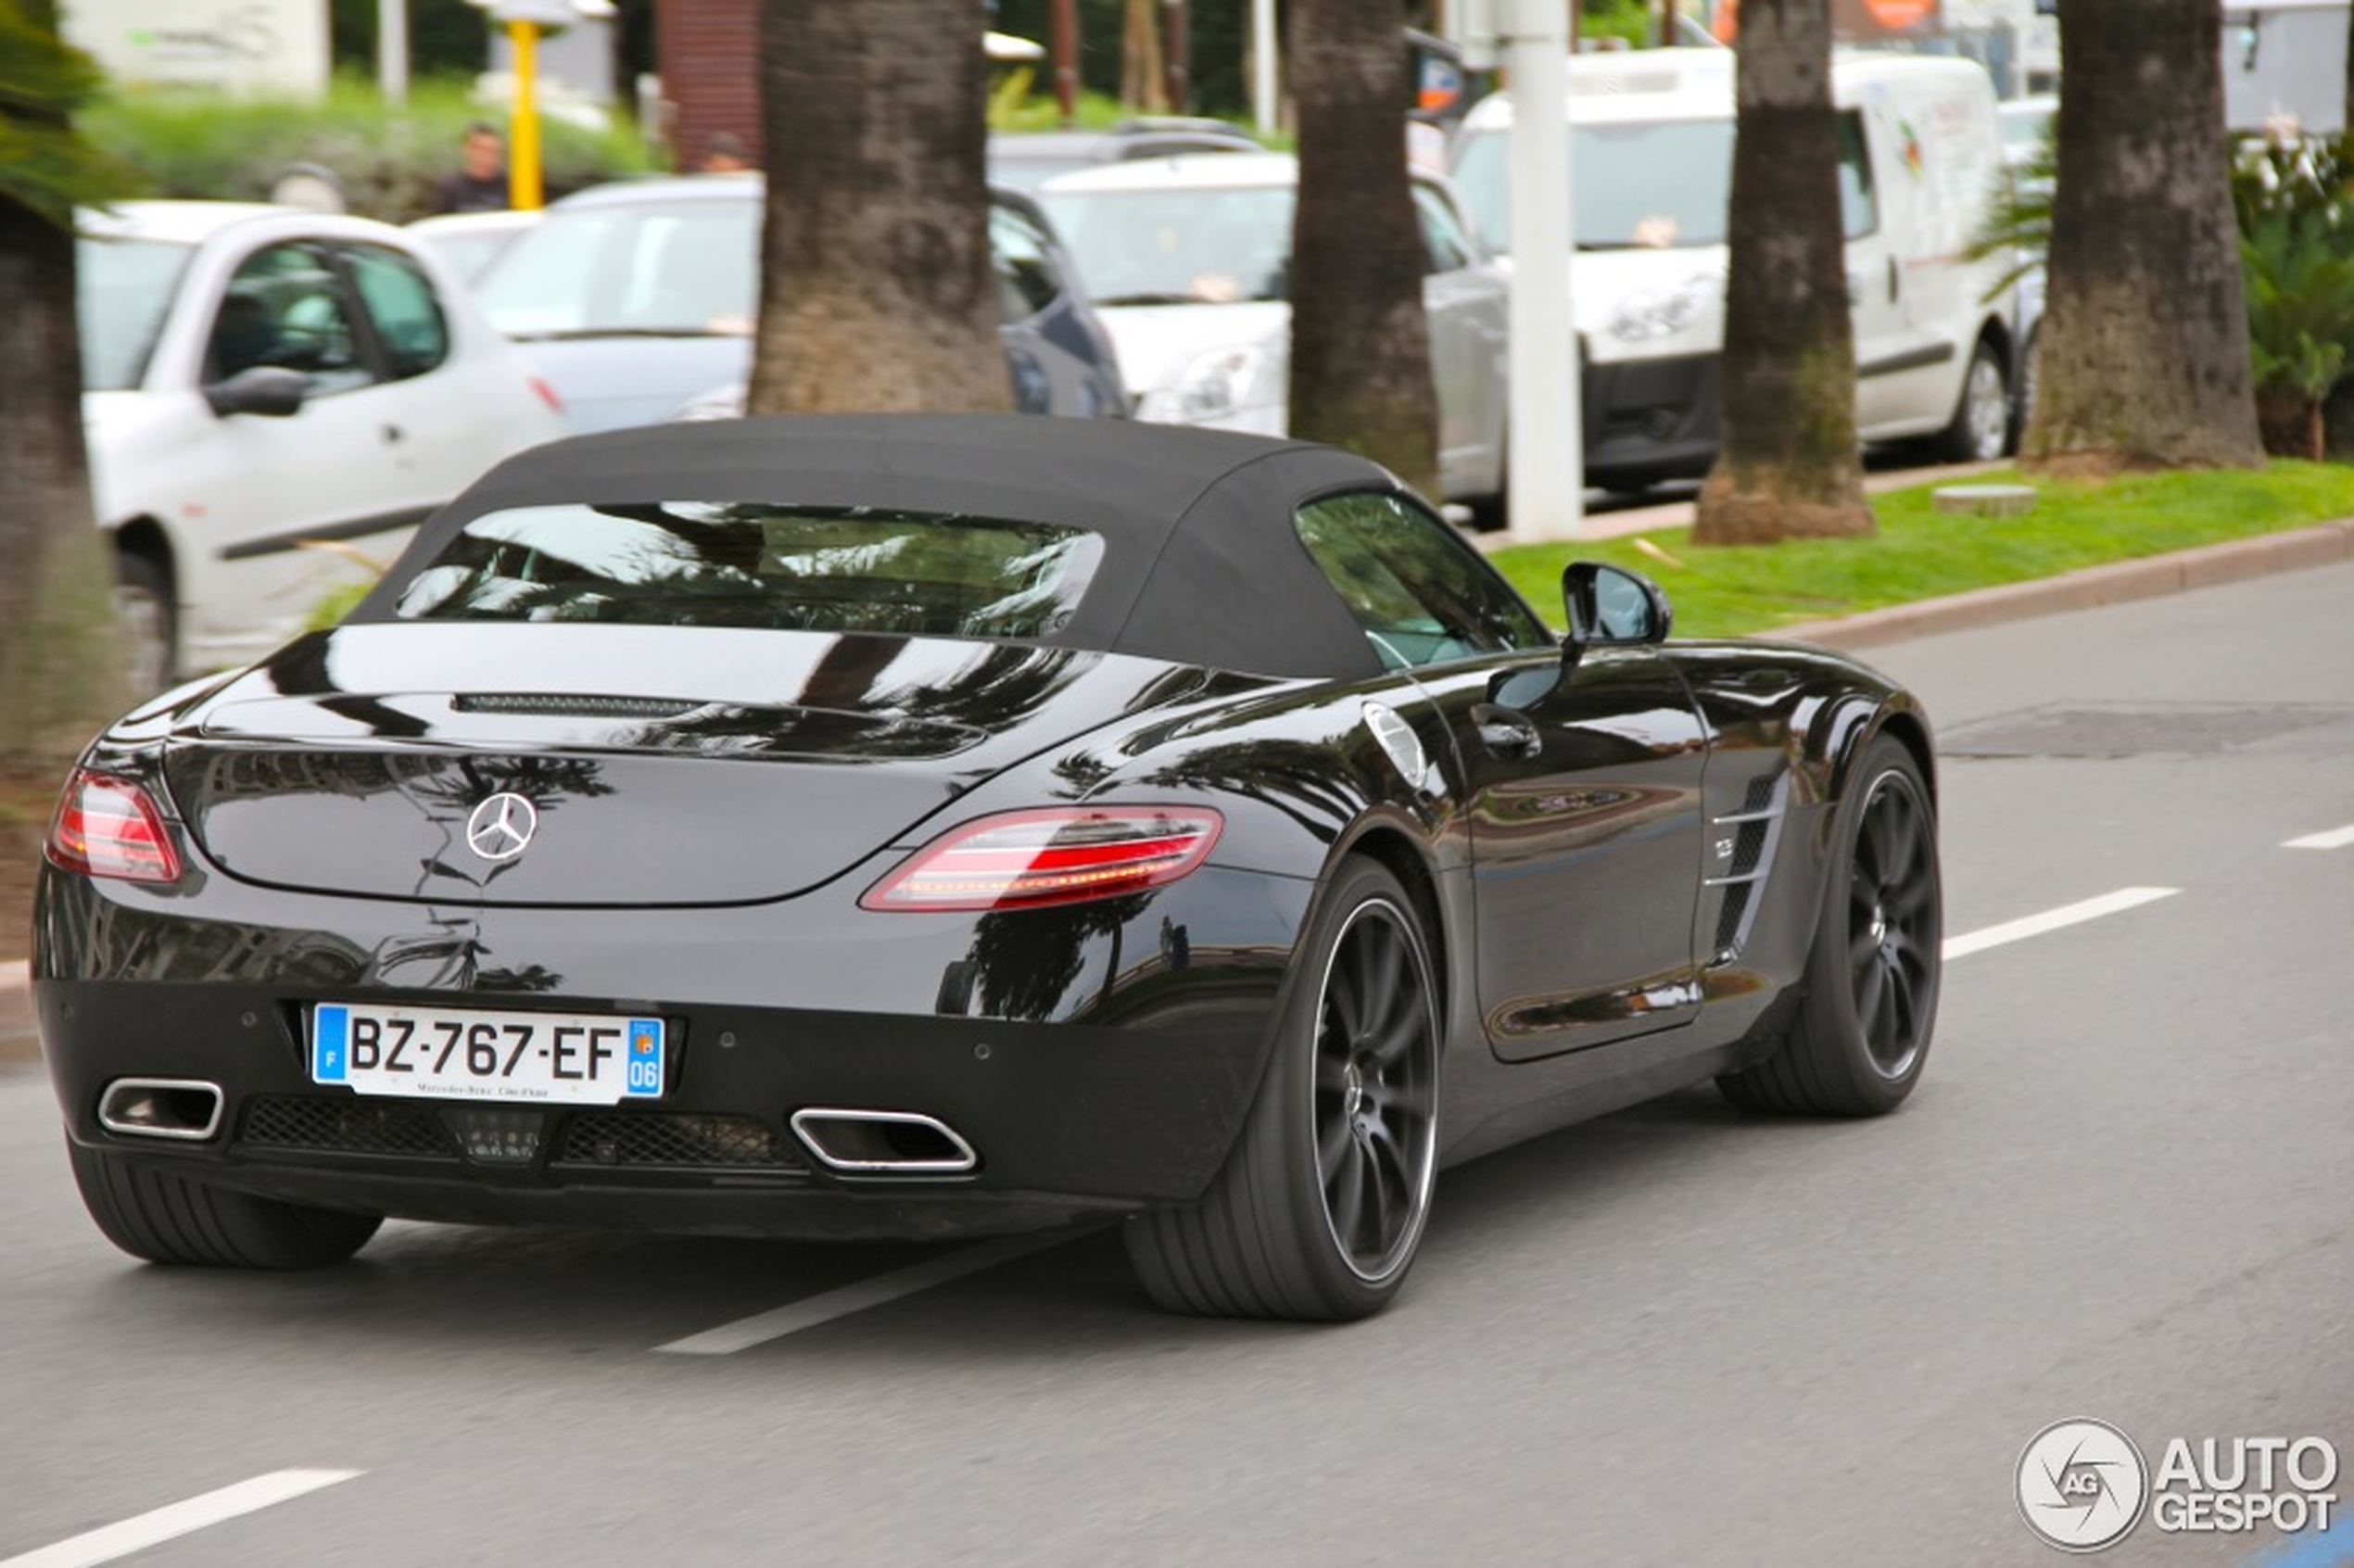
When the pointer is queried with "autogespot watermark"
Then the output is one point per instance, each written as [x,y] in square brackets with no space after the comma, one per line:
[2084,1484]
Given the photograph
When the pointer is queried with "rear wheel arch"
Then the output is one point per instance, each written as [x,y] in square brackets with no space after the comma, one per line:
[1398,854]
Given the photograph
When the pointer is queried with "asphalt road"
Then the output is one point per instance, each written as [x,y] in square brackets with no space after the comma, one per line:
[1679,1335]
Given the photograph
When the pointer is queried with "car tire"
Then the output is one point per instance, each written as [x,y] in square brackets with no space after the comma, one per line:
[163,1217]
[151,621]
[1320,1205]
[1862,1030]
[1981,431]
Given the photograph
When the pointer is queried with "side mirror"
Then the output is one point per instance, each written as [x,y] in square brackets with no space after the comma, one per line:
[271,391]
[1609,606]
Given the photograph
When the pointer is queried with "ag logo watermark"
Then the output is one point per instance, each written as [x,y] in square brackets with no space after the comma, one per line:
[2084,1484]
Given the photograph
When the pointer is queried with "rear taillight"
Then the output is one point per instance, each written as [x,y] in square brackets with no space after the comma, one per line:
[1057,855]
[108,826]
[547,394]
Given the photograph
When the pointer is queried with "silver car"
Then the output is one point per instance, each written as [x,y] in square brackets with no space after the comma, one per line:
[638,301]
[1188,259]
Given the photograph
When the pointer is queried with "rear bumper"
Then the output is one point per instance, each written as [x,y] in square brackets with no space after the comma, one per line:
[1122,1088]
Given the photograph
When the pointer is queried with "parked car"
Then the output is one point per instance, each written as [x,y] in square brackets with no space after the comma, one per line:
[468,242]
[919,825]
[259,380]
[1651,137]
[1189,259]
[638,301]
[1026,160]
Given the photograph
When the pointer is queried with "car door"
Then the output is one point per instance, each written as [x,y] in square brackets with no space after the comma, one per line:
[1579,782]
[268,500]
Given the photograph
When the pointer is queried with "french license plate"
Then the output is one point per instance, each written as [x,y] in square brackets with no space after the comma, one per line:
[452,1053]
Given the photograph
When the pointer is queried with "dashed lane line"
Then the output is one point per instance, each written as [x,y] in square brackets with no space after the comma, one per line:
[824,1308]
[2337,837]
[112,1541]
[2053,919]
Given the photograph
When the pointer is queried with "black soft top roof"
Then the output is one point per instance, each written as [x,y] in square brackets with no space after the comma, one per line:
[1201,564]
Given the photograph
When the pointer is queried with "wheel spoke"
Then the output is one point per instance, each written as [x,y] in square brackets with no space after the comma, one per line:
[1342,1004]
[1403,1031]
[1384,958]
[1374,1240]
[1871,985]
[1345,1195]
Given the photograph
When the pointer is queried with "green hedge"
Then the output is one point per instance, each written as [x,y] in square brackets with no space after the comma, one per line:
[389,161]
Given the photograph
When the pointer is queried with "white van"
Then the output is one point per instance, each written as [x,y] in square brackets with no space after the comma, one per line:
[1652,149]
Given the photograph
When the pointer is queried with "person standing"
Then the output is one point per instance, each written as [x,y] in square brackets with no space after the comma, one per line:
[480,183]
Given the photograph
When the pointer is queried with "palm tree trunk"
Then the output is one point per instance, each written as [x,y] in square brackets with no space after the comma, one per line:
[2143,360]
[876,288]
[1360,374]
[1788,466]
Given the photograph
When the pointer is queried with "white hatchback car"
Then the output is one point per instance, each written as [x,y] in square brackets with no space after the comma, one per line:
[273,398]
[1189,259]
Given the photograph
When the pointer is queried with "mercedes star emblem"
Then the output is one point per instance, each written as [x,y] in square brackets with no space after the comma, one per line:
[502,826]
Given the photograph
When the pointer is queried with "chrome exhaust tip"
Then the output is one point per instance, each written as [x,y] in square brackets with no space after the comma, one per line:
[880,1143]
[185,1109]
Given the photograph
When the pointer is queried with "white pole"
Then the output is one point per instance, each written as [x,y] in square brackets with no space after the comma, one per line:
[1262,64]
[392,51]
[1545,484]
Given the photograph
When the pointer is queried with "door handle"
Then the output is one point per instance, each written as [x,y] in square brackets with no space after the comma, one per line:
[1506,733]
[1895,280]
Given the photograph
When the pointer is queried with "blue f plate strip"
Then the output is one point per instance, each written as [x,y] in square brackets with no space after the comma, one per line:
[330,1032]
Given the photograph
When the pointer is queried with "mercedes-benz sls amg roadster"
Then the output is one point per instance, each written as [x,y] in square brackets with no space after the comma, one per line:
[920,825]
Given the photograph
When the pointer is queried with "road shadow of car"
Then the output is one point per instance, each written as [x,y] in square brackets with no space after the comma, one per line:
[561,1294]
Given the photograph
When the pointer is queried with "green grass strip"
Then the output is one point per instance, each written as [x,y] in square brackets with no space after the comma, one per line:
[1922,553]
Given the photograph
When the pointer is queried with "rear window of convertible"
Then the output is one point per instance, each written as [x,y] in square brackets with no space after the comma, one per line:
[712,563]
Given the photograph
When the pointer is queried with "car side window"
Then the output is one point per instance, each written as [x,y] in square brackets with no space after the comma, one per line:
[402,307]
[1858,205]
[1027,281]
[1443,237]
[1421,594]
[284,307]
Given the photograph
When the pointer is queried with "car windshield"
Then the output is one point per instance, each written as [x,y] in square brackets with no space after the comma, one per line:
[708,563]
[1178,245]
[1646,184]
[675,268]
[122,291]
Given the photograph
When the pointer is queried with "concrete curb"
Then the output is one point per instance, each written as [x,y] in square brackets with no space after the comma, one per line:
[2325,544]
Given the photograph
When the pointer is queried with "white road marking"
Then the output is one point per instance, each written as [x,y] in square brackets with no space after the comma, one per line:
[2037,925]
[824,1308]
[2336,839]
[108,1542]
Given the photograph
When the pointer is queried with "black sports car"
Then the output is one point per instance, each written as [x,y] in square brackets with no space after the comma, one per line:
[922,824]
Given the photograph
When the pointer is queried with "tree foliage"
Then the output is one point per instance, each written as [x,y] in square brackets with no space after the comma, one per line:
[59,676]
[2294,202]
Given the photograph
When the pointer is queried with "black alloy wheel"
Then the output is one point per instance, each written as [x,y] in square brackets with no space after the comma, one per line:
[1862,1030]
[1893,925]
[1321,1204]
[1376,1090]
